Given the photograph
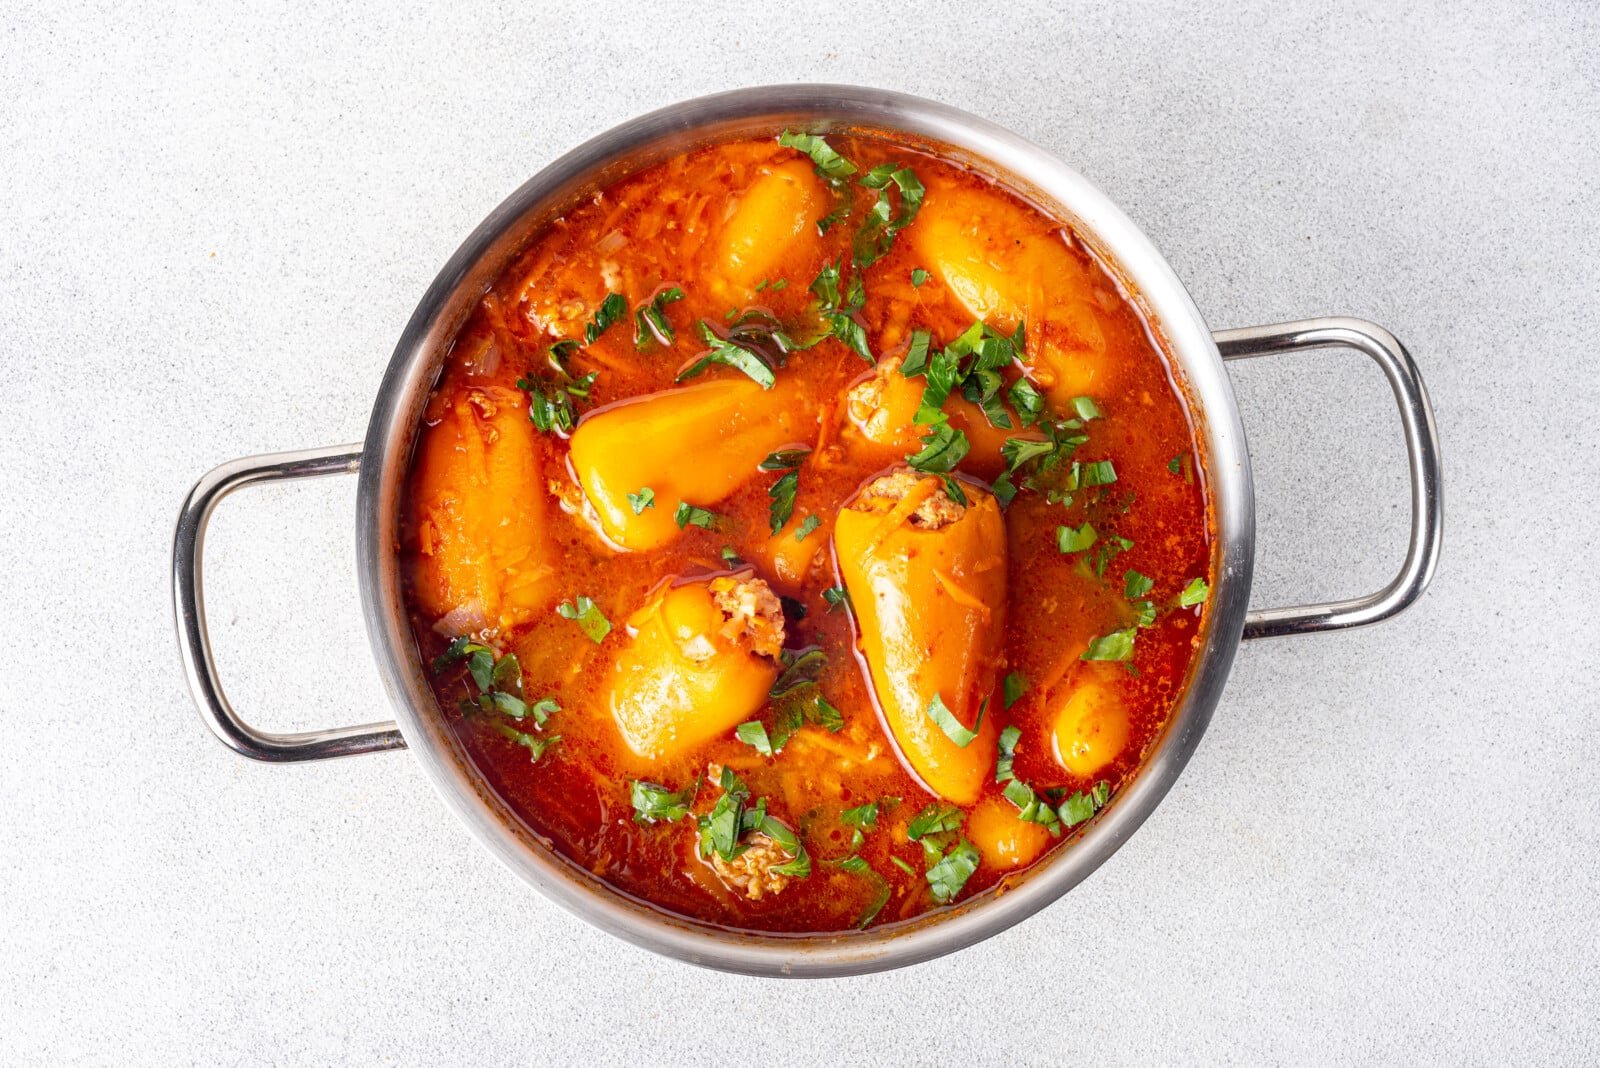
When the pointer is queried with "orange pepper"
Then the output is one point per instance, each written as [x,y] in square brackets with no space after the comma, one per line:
[929,606]
[882,422]
[779,210]
[480,520]
[682,679]
[1034,278]
[694,444]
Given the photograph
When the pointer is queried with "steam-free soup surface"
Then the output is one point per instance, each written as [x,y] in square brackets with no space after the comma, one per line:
[806,534]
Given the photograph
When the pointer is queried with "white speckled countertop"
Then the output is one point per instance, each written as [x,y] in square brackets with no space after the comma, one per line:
[215,222]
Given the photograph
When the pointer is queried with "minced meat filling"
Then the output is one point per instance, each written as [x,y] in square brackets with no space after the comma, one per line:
[753,612]
[934,511]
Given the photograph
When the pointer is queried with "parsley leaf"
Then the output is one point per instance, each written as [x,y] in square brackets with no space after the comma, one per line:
[952,727]
[937,818]
[829,164]
[1069,540]
[947,877]
[1080,806]
[1086,408]
[725,352]
[645,498]
[784,459]
[1027,400]
[837,596]
[1008,754]
[942,449]
[611,309]
[877,233]
[653,803]
[687,514]
[588,616]
[807,527]
[800,669]
[782,494]
[650,319]
[1194,593]
[919,276]
[1118,645]
[1135,585]
[754,734]
[1014,686]
[535,744]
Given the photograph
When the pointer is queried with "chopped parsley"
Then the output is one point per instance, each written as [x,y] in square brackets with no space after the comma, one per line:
[754,734]
[1080,806]
[588,616]
[782,494]
[1027,400]
[611,309]
[645,498]
[952,727]
[1135,585]
[1194,593]
[950,874]
[687,515]
[1070,540]
[1118,645]
[653,803]
[942,449]
[808,526]
[937,818]
[650,319]
[1086,408]
[1109,548]
[1014,686]
[1008,754]
[919,276]
[837,597]
[883,222]
[728,353]
[830,165]
[784,459]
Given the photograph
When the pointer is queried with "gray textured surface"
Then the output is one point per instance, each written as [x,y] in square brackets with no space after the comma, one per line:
[214,224]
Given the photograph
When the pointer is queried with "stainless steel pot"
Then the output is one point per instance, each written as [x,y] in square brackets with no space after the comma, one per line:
[382,460]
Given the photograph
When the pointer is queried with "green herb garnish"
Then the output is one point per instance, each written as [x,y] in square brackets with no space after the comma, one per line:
[1194,593]
[645,498]
[1070,540]
[754,734]
[1118,645]
[687,514]
[950,874]
[952,727]
[650,319]
[588,616]
[782,494]
[1014,686]
[807,527]
[829,164]
[653,803]
[611,309]
[919,276]
[1135,585]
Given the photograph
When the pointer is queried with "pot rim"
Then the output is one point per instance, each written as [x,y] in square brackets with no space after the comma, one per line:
[1170,312]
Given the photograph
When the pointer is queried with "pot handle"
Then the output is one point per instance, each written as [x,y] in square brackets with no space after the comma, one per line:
[194,640]
[1422,452]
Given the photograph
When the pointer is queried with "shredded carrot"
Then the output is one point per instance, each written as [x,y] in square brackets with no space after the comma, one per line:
[901,512]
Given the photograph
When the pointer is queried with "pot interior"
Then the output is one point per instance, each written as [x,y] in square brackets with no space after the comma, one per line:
[1145,276]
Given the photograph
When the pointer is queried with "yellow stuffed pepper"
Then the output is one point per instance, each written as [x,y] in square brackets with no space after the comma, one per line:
[694,444]
[927,581]
[479,525]
[700,658]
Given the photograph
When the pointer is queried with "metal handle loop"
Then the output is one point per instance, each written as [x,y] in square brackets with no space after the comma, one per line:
[1422,452]
[194,641]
